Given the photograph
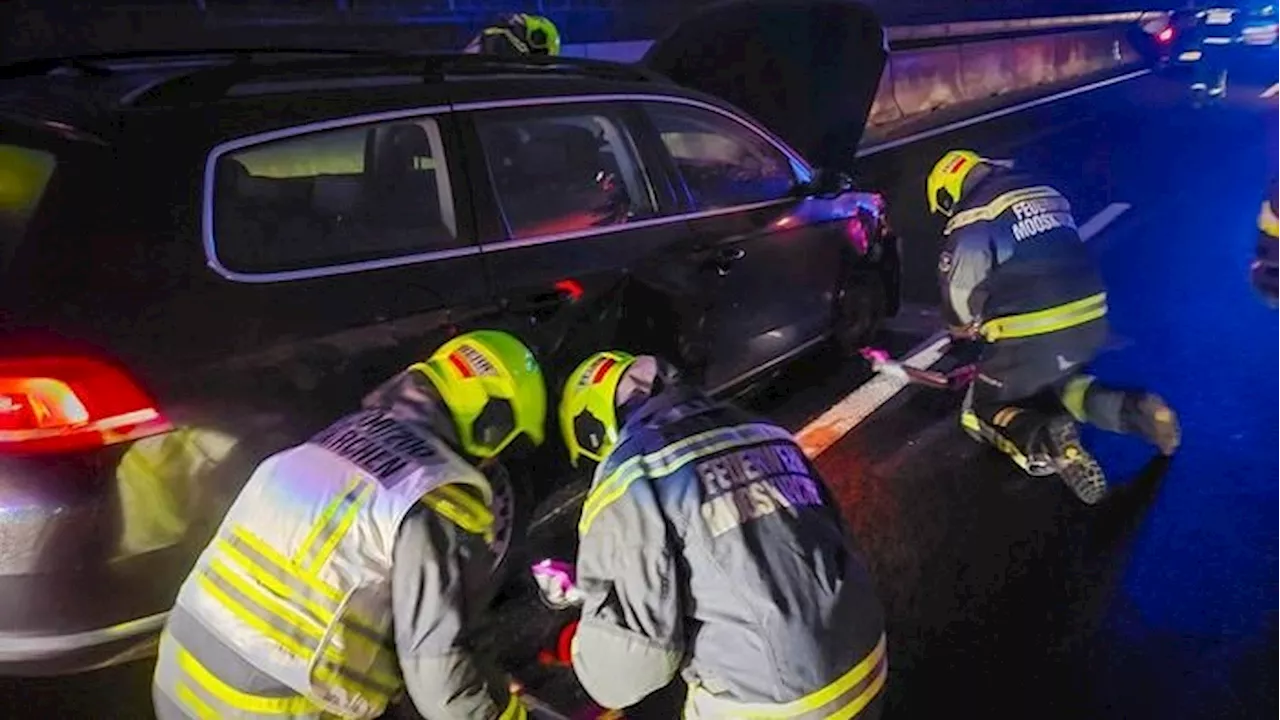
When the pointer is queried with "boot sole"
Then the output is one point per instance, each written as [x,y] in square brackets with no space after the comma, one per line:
[1077,468]
[1158,424]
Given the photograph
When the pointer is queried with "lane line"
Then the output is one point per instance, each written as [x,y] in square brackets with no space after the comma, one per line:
[881,147]
[847,413]
[832,425]
[1271,91]
[1098,222]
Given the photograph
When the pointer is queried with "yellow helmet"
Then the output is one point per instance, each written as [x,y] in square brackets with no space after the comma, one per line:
[588,405]
[946,180]
[493,388]
[541,34]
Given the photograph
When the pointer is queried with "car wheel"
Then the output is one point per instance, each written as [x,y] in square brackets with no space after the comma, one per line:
[509,509]
[859,312]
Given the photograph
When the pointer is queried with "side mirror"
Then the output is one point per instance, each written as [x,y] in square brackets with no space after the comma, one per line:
[829,183]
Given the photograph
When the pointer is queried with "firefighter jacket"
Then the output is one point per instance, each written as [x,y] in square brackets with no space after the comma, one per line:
[330,545]
[1014,263]
[709,545]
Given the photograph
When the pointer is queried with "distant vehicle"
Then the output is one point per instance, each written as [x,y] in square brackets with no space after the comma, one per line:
[205,257]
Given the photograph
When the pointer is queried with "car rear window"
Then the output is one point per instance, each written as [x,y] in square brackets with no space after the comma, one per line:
[24,175]
[332,197]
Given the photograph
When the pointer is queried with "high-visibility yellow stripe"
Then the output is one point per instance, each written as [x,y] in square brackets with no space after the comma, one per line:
[1073,396]
[195,704]
[670,459]
[519,44]
[997,206]
[859,703]
[1040,322]
[336,673]
[334,535]
[1267,220]
[262,625]
[274,607]
[238,699]
[841,699]
[465,511]
[283,564]
[329,668]
[970,420]
[281,585]
[515,709]
[329,511]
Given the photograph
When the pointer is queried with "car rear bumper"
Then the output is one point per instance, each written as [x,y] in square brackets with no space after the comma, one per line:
[60,654]
[93,551]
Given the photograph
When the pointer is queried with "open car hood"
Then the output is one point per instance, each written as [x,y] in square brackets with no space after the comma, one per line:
[806,69]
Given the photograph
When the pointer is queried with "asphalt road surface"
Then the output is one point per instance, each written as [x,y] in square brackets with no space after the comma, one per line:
[1005,597]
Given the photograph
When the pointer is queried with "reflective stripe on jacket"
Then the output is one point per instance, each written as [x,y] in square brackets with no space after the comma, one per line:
[296,582]
[710,546]
[844,698]
[1014,262]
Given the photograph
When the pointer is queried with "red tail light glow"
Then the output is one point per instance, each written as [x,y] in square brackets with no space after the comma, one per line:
[69,404]
[1165,35]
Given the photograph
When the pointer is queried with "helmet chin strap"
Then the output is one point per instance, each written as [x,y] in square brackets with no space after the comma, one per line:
[640,382]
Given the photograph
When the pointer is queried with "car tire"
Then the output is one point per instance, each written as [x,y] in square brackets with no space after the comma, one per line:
[511,507]
[860,307]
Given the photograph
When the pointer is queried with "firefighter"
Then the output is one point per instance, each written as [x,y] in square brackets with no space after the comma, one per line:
[708,545]
[1015,273]
[1266,261]
[1217,28]
[517,34]
[349,567]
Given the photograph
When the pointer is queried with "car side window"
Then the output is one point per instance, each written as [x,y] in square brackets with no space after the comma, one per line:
[561,170]
[723,162]
[332,197]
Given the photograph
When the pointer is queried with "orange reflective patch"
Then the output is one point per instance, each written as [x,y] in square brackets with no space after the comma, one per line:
[957,164]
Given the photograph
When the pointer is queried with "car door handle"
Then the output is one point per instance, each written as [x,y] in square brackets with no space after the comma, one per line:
[724,259]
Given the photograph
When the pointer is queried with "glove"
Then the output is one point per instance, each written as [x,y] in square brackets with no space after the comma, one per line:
[883,364]
[555,580]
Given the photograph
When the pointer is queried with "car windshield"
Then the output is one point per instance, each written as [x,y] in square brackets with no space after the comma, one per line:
[24,175]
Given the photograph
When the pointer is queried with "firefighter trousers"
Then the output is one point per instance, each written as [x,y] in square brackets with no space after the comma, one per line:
[1022,384]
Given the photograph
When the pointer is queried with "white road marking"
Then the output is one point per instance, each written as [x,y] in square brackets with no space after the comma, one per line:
[1271,91]
[1098,222]
[881,147]
[858,405]
[829,427]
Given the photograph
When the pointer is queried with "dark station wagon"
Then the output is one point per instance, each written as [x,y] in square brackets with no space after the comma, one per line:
[207,256]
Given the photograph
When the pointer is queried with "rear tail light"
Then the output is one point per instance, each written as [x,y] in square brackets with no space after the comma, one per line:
[69,404]
[1165,35]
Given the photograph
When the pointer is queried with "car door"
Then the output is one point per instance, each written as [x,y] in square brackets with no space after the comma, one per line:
[571,212]
[774,260]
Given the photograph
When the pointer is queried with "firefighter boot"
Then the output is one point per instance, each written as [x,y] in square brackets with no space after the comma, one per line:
[1077,468]
[1150,417]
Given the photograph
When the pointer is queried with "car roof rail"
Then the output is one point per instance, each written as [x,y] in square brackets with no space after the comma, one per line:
[114,63]
[215,82]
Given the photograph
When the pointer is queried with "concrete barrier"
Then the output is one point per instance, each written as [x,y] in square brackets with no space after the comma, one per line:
[1033,60]
[884,109]
[987,69]
[926,79]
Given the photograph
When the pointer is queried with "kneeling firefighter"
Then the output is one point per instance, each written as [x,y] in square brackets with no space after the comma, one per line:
[709,545]
[1015,272]
[349,566]
[516,35]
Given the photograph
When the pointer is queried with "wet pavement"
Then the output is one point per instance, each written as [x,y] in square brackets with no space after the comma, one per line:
[1006,597]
